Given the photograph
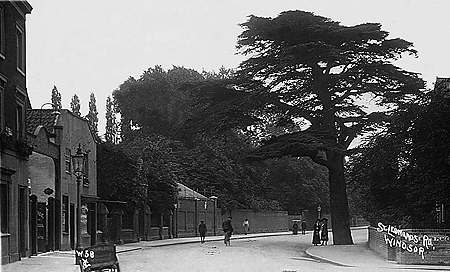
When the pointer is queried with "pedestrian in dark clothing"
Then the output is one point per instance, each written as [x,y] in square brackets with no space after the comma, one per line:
[324,232]
[202,230]
[246,226]
[303,227]
[227,228]
[295,228]
[316,233]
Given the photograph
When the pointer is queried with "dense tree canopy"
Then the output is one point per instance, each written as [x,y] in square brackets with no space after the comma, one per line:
[404,171]
[118,176]
[312,69]
[184,117]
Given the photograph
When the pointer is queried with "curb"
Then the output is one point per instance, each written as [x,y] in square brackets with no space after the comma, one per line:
[215,239]
[316,257]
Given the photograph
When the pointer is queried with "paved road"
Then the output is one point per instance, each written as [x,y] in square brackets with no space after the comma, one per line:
[283,253]
[272,254]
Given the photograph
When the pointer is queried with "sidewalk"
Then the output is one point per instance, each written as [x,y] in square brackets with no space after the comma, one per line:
[359,255]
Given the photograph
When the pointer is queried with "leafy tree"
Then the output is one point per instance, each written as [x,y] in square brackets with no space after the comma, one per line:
[153,102]
[297,184]
[314,69]
[111,125]
[187,118]
[118,176]
[75,105]
[92,116]
[161,168]
[223,73]
[56,99]
[403,172]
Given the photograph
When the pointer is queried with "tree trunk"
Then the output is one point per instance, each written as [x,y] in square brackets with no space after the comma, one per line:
[340,220]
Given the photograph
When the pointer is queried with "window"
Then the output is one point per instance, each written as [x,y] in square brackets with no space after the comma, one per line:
[67,160]
[19,121]
[86,170]
[2,32]
[65,214]
[20,45]
[4,207]
[1,109]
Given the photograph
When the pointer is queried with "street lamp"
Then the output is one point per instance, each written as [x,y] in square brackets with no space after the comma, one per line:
[214,198]
[175,206]
[78,161]
[319,209]
[196,215]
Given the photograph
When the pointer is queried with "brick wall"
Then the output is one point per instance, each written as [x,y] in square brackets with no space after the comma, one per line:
[377,243]
[260,221]
[440,254]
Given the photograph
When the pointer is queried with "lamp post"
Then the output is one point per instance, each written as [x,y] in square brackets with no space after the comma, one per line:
[214,198]
[319,209]
[78,169]
[196,215]
[175,206]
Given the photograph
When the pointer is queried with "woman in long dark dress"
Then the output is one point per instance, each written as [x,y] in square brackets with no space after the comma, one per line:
[316,237]
[324,232]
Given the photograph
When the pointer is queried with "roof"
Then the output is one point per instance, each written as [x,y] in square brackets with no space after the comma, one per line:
[186,192]
[442,80]
[41,117]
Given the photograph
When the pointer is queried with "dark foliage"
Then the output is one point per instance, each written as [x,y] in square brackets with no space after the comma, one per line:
[402,173]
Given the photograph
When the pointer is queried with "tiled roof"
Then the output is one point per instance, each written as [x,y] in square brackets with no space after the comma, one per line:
[44,117]
[186,192]
[442,80]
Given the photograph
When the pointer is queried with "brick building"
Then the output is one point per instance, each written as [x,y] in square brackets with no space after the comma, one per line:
[55,136]
[14,149]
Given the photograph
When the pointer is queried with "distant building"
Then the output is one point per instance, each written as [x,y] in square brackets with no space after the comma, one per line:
[14,209]
[55,136]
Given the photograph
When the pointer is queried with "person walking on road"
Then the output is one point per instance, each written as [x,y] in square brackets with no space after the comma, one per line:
[227,228]
[316,233]
[303,227]
[295,228]
[324,232]
[246,226]
[202,230]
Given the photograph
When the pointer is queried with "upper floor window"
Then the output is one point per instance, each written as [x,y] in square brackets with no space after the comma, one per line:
[20,45]
[2,32]
[67,160]
[20,121]
[2,113]
[86,170]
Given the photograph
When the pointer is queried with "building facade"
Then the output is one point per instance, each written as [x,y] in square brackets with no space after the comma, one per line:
[14,208]
[56,136]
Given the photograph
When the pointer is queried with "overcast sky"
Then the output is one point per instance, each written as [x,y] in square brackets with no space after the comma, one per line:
[93,46]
